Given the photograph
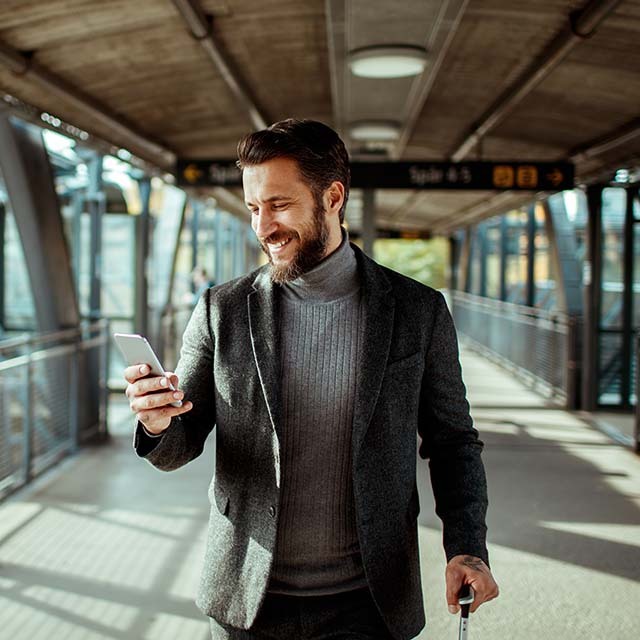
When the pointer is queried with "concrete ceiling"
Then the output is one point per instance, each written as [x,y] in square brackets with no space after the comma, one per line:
[505,80]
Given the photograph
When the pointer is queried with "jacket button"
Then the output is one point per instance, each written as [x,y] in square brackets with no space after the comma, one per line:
[272,511]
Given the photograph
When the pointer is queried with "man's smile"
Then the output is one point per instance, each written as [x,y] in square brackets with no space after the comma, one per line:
[277,246]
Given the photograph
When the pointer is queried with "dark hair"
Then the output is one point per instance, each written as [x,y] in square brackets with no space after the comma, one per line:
[318,150]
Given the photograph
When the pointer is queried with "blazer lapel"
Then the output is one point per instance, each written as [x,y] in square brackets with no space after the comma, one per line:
[263,325]
[379,305]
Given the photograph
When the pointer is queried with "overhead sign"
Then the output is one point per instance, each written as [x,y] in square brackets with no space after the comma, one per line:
[502,176]
[401,234]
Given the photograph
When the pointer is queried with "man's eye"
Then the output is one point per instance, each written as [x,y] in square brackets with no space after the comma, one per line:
[279,205]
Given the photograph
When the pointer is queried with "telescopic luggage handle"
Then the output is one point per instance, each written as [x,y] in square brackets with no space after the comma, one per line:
[465,598]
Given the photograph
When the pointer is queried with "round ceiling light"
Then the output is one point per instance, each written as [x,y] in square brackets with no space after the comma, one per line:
[375,130]
[389,61]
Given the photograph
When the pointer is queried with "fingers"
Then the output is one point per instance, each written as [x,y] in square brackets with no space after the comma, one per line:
[473,571]
[488,590]
[158,419]
[154,400]
[140,385]
[454,579]
[136,371]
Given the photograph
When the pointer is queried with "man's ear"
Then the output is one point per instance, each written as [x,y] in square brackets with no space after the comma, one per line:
[334,197]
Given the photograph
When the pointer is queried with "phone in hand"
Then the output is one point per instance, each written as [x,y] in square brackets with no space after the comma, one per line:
[137,350]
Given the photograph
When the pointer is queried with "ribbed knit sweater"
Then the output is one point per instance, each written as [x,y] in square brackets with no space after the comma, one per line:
[317,549]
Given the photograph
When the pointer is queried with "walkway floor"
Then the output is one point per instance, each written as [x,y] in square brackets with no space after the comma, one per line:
[106,547]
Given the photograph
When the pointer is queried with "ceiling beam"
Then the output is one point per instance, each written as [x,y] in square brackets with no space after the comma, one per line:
[440,38]
[335,20]
[612,140]
[580,25]
[200,27]
[121,132]
[498,204]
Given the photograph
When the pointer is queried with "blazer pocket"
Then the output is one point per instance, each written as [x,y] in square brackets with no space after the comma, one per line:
[405,361]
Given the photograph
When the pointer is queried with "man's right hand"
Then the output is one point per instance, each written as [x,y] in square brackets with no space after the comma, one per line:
[150,398]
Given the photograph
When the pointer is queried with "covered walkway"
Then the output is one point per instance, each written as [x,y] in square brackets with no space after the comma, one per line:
[105,546]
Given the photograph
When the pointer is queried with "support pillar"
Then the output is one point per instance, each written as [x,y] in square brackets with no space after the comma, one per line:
[96,205]
[29,181]
[627,303]
[504,252]
[482,245]
[592,281]
[143,234]
[368,220]
[563,249]
[530,299]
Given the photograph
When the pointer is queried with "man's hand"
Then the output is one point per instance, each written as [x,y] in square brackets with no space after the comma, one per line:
[473,571]
[150,398]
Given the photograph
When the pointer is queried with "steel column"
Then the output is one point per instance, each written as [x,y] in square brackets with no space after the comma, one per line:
[368,220]
[592,291]
[504,252]
[482,242]
[29,181]
[465,259]
[143,232]
[562,242]
[96,205]
[627,302]
[530,299]
[454,250]
[195,224]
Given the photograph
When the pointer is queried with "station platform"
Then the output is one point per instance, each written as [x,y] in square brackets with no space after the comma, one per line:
[107,547]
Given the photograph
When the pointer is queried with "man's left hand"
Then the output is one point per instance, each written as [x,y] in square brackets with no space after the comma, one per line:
[472,571]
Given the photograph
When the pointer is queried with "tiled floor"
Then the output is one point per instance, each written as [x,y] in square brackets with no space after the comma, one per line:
[106,547]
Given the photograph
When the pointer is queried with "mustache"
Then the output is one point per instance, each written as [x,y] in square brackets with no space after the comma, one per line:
[279,236]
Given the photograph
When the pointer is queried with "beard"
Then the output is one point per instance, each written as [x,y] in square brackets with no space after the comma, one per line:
[311,248]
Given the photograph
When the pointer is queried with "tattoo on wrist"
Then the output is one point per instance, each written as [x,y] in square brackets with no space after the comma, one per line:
[474,563]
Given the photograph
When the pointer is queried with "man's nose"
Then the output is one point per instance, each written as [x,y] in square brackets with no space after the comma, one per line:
[263,224]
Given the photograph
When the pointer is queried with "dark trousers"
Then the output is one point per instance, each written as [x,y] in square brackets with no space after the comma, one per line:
[343,616]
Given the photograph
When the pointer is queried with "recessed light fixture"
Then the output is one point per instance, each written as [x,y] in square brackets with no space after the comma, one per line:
[374,130]
[388,61]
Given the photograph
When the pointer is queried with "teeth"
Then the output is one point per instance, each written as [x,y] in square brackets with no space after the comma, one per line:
[281,244]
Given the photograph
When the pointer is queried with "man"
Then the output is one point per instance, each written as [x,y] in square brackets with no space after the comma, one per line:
[316,370]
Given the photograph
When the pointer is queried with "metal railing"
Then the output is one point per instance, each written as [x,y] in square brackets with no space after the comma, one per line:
[53,397]
[537,345]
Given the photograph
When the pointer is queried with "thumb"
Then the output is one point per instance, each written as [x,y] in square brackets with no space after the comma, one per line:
[173,378]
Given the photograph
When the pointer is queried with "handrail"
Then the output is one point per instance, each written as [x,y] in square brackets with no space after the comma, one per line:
[512,307]
[35,339]
[44,380]
[537,345]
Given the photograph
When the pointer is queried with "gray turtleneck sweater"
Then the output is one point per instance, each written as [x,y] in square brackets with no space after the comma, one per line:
[317,549]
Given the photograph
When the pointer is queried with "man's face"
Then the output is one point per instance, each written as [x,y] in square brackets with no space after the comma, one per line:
[291,226]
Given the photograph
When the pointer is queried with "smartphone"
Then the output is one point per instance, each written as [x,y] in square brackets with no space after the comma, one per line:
[137,350]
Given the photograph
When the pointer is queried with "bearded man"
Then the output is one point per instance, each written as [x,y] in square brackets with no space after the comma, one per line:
[317,370]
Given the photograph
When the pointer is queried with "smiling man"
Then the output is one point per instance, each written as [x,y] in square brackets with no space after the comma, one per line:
[316,371]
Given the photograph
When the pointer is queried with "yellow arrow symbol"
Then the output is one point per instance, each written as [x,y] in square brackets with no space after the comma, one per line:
[191,173]
[555,177]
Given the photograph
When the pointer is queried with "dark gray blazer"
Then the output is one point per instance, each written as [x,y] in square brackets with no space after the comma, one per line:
[410,381]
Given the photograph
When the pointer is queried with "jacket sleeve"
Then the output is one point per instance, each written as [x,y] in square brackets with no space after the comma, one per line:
[451,444]
[184,439]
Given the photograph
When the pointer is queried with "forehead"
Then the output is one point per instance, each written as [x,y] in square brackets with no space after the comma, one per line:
[279,176]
